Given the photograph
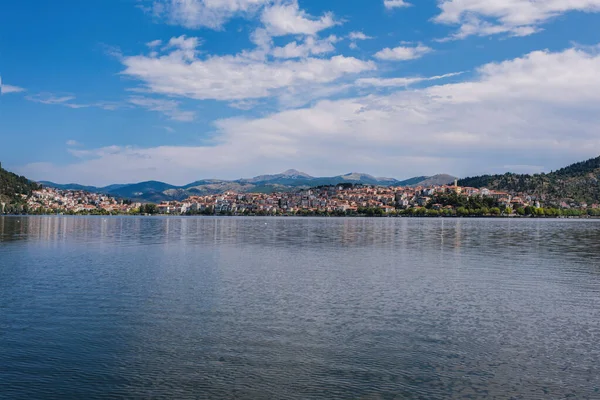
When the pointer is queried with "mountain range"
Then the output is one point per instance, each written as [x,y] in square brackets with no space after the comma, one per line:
[154,191]
[579,182]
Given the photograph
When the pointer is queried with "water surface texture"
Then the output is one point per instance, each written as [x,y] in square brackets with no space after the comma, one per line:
[293,308]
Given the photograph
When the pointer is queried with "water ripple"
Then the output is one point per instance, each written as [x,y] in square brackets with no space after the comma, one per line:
[298,308]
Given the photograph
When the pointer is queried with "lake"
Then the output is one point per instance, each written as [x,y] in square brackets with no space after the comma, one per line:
[299,308]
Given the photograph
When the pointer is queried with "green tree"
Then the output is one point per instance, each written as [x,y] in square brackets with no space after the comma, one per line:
[149,208]
[433,213]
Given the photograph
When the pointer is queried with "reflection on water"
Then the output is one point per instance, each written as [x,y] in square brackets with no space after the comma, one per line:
[298,308]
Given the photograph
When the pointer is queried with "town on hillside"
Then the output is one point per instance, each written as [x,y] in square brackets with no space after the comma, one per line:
[338,200]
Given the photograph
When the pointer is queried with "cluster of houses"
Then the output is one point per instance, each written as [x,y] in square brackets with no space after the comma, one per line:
[50,200]
[330,199]
[333,199]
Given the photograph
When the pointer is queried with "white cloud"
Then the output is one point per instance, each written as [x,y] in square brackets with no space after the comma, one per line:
[102,152]
[154,43]
[247,75]
[73,143]
[244,104]
[49,98]
[354,36]
[170,108]
[263,41]
[288,19]
[540,110]
[400,82]
[563,78]
[183,43]
[204,13]
[389,4]
[66,100]
[403,53]
[513,17]
[310,46]
[6,89]
[358,36]
[182,47]
[301,95]
[108,105]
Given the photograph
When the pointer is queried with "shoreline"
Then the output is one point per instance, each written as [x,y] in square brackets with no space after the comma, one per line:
[306,216]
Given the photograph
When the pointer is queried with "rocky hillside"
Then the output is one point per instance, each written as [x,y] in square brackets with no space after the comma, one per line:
[578,182]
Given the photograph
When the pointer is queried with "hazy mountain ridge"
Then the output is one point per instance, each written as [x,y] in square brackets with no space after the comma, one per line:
[578,182]
[286,181]
[71,186]
[290,174]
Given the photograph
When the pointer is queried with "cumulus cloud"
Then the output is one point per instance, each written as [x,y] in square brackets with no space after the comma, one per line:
[513,17]
[560,78]
[246,75]
[403,53]
[389,4]
[310,46]
[358,36]
[539,109]
[181,47]
[154,43]
[177,68]
[211,14]
[288,19]
[354,36]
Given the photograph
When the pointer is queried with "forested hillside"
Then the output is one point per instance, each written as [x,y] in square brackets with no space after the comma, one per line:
[13,185]
[578,182]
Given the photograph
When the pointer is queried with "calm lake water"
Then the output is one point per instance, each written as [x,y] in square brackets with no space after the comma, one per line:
[266,308]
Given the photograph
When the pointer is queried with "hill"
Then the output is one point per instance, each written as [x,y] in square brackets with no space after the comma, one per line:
[578,182]
[436,180]
[12,186]
[149,188]
[70,186]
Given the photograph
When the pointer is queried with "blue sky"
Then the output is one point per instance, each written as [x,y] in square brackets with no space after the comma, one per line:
[178,90]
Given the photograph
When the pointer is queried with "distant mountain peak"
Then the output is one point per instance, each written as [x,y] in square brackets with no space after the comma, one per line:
[356,176]
[295,172]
